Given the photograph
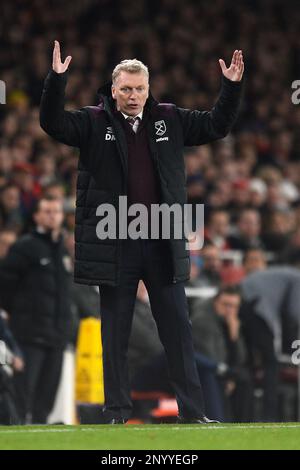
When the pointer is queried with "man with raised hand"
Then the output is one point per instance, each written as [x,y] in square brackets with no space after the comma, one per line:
[131,145]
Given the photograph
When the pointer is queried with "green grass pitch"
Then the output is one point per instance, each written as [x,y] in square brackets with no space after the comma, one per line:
[152,437]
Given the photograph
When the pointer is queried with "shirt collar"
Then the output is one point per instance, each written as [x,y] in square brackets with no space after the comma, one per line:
[40,229]
[140,115]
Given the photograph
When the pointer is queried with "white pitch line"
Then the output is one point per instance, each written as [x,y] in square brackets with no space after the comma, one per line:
[153,428]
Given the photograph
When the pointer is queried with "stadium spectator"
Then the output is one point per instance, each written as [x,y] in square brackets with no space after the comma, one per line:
[270,317]
[23,176]
[291,253]
[279,227]
[217,229]
[248,233]
[35,288]
[216,333]
[254,260]
[210,267]
[10,207]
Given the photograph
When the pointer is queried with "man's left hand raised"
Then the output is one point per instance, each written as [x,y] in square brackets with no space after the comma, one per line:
[236,69]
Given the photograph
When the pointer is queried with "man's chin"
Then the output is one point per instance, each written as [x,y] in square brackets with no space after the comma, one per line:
[133,111]
[51,229]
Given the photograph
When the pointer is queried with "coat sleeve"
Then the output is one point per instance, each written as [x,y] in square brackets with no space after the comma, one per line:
[12,268]
[69,127]
[201,127]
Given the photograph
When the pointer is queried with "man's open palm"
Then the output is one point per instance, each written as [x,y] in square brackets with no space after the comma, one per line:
[57,65]
[236,69]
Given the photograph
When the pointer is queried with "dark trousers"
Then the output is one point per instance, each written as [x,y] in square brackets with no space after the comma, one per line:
[260,341]
[149,260]
[36,386]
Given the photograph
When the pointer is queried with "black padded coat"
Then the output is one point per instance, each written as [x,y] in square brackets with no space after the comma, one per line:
[102,167]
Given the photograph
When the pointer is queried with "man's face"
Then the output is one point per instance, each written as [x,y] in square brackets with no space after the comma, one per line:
[50,215]
[212,259]
[254,261]
[130,91]
[11,198]
[227,305]
[249,224]
[220,224]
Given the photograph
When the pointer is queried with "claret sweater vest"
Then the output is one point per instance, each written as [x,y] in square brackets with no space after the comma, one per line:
[143,183]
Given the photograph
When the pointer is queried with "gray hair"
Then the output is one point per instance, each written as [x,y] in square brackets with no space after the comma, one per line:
[131,66]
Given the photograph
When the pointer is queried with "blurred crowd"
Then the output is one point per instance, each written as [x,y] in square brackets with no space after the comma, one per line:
[249,181]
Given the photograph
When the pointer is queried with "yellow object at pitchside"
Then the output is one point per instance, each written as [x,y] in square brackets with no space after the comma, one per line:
[89,367]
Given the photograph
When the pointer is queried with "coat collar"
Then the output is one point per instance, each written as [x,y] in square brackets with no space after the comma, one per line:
[46,235]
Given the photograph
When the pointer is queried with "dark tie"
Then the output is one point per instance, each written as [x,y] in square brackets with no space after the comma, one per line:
[134,122]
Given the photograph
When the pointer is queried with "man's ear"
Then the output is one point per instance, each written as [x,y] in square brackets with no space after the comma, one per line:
[113,92]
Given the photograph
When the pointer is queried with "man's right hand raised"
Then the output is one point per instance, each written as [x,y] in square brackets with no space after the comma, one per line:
[57,65]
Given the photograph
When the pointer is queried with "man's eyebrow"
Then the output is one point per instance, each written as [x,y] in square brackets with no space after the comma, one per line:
[127,86]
